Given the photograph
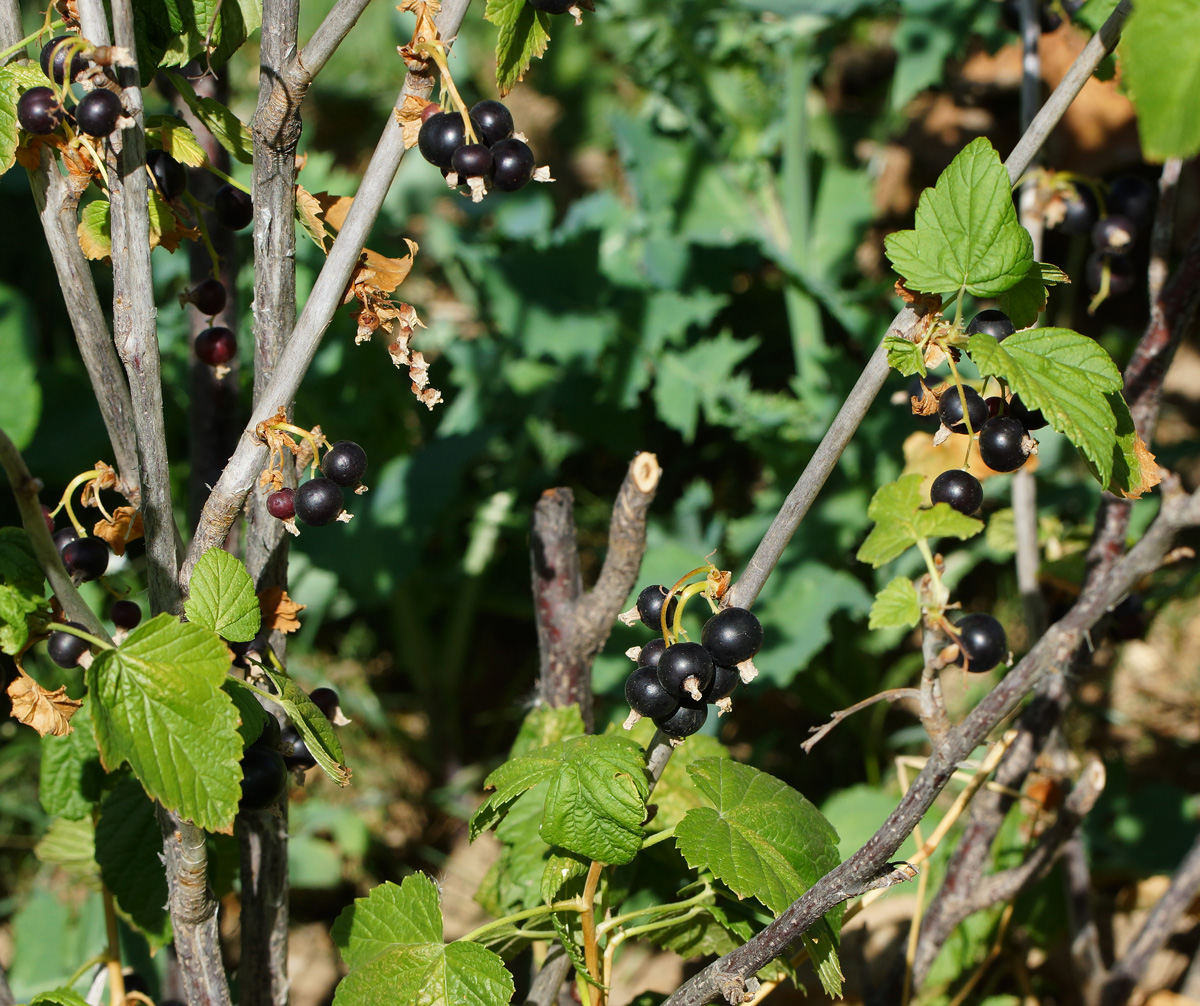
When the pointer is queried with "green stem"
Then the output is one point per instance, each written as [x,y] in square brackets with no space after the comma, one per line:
[5,53]
[619,920]
[962,397]
[941,595]
[226,178]
[83,634]
[661,836]
[688,592]
[628,934]
[574,905]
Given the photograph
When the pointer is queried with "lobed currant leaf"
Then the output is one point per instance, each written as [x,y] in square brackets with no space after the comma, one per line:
[222,597]
[896,606]
[901,522]
[904,356]
[524,35]
[1162,76]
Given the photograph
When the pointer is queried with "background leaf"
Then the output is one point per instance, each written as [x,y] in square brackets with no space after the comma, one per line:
[128,849]
[524,35]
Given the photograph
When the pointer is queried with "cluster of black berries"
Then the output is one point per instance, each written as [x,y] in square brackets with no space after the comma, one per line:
[39,109]
[674,685]
[320,501]
[498,160]
[65,648]
[278,751]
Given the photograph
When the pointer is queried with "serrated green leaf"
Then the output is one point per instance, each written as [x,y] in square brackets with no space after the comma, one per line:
[822,944]
[1160,62]
[392,914]
[22,585]
[524,35]
[222,597]
[181,143]
[896,606]
[18,565]
[128,849]
[227,128]
[58,997]
[71,780]
[714,930]
[675,794]
[1134,469]
[547,725]
[904,356]
[21,403]
[10,130]
[559,871]
[158,704]
[95,238]
[967,236]
[15,609]
[1064,374]
[71,845]
[509,781]
[900,521]
[314,727]
[253,716]
[524,852]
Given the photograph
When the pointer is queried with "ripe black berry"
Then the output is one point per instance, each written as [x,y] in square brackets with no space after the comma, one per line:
[264,777]
[441,134]
[281,504]
[325,699]
[318,502]
[209,296]
[472,160]
[63,537]
[47,518]
[86,558]
[125,614]
[1031,419]
[685,669]
[652,652]
[1121,275]
[78,63]
[1114,233]
[991,322]
[1002,444]
[1132,197]
[493,121]
[981,642]
[732,635]
[685,721]
[646,695]
[1079,210]
[958,488]
[553,6]
[295,751]
[39,111]
[950,409]
[169,177]
[65,649]
[725,680]
[216,346]
[650,605]
[512,164]
[97,112]
[270,736]
[233,208]
[996,406]
[345,463]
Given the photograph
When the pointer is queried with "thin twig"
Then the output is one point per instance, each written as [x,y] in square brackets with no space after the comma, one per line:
[1088,962]
[891,695]
[1163,228]
[544,989]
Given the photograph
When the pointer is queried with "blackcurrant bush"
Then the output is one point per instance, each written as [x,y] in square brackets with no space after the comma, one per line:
[512,164]
[684,668]
[650,604]
[981,642]
[345,463]
[652,652]
[472,160]
[1121,274]
[65,649]
[685,721]
[1133,197]
[958,488]
[991,322]
[97,112]
[440,136]
[493,121]
[264,778]
[169,177]
[39,111]
[125,614]
[295,751]
[209,296]
[63,537]
[950,409]
[325,699]
[646,695]
[233,208]
[732,635]
[1003,444]
[86,558]
[725,680]
[318,502]
[271,736]
[78,63]
[281,504]
[216,346]
[1079,210]
[1031,419]
[1114,233]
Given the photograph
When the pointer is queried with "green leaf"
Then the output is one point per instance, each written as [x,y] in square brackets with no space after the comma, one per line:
[14,79]
[1025,301]
[697,377]
[713,931]
[254,717]
[547,725]
[524,35]
[15,608]
[408,913]
[21,403]
[227,128]
[95,238]
[904,356]
[18,566]
[158,705]
[71,779]
[22,585]
[896,606]
[822,944]
[128,846]
[1160,61]
[900,521]
[1067,376]
[560,871]
[1134,469]
[675,795]
[71,845]
[524,852]
[316,730]
[967,236]
[180,142]
[58,997]
[222,597]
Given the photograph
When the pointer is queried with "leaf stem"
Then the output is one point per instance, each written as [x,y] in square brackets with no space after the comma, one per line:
[940,594]
[962,397]
[619,920]
[86,636]
[661,836]
[17,46]
[587,919]
[572,905]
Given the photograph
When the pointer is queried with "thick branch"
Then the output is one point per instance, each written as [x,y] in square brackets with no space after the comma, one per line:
[11,31]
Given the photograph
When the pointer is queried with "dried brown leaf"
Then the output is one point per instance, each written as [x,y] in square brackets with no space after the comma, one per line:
[126,526]
[47,712]
[279,611]
[1148,467]
[308,211]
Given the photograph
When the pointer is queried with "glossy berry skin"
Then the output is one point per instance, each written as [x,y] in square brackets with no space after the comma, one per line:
[725,680]
[472,160]
[318,502]
[493,121]
[233,208]
[950,409]
[125,614]
[271,736]
[512,164]
[650,605]
[1121,275]
[1031,419]
[685,721]
[264,778]
[78,64]
[440,136]
[1001,444]
[732,635]
[996,406]
[281,504]
[63,537]
[1132,197]
[1080,208]
[652,652]
[646,695]
[86,558]
[295,751]
[982,643]
[47,518]
[169,177]
[682,661]
[345,463]
[1114,233]
[97,112]
[992,322]
[216,346]
[209,297]
[39,111]
[325,699]
[959,489]
[65,649]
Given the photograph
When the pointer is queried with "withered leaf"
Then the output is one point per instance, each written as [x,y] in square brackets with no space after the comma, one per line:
[279,611]
[47,712]
[126,526]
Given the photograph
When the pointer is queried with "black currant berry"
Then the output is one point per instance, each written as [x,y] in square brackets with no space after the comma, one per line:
[345,463]
[650,605]
[264,778]
[958,488]
[47,518]
[63,537]
[65,649]
[233,208]
[270,737]
[86,558]
[991,322]
[125,614]
[1132,197]
[646,695]
[554,6]
[295,751]
[685,668]
[472,160]
[209,296]
[282,504]
[169,177]
[441,134]
[512,164]
[318,502]
[1121,274]
[1114,233]
[325,699]
[1002,444]
[1031,419]
[493,121]
[39,111]
[950,409]
[981,642]
[725,680]
[97,112]
[732,635]
[685,721]
[996,406]
[78,63]
[216,346]
[652,652]
[1079,210]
